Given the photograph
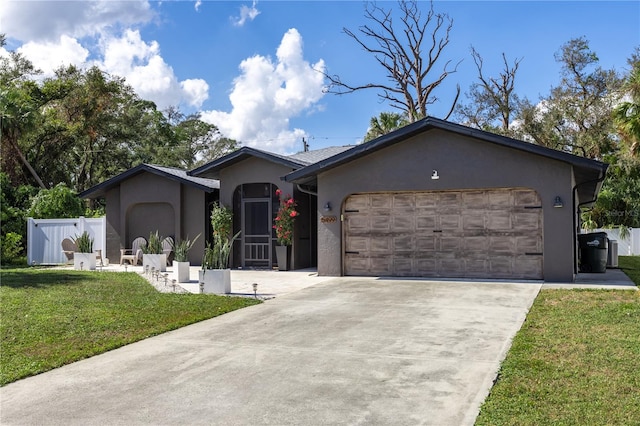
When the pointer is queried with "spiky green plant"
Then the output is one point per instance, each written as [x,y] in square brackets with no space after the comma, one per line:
[181,249]
[216,255]
[154,245]
[84,243]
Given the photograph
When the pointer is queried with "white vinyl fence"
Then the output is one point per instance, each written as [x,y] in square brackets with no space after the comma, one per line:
[44,237]
[626,246]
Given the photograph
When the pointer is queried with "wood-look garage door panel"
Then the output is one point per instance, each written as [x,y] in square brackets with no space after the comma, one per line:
[526,220]
[380,223]
[403,201]
[357,243]
[528,266]
[472,220]
[359,266]
[498,220]
[525,197]
[479,233]
[381,246]
[403,223]
[451,220]
[425,244]
[528,244]
[382,201]
[498,200]
[426,222]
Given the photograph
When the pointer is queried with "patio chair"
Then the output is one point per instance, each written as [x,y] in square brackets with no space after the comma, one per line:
[134,254]
[167,248]
[99,260]
[68,248]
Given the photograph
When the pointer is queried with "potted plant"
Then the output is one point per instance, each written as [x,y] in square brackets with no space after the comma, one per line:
[283,224]
[153,255]
[181,263]
[215,276]
[84,258]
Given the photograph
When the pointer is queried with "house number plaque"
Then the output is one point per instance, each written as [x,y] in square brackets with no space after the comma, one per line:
[328,219]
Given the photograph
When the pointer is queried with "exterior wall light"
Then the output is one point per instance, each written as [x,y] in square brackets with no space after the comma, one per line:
[327,207]
[434,175]
[557,203]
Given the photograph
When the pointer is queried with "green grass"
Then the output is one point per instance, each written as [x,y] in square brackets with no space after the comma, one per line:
[50,318]
[574,362]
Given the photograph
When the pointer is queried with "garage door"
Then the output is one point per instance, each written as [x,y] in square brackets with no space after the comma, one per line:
[494,233]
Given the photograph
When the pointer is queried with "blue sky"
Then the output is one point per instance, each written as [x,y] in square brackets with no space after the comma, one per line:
[190,54]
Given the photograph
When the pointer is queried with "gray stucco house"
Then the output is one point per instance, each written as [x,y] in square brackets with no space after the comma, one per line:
[149,198]
[432,199]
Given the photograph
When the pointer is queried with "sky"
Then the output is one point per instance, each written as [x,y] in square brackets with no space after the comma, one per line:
[252,68]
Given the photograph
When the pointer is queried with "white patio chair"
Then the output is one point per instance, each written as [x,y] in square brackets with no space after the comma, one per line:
[134,254]
[167,248]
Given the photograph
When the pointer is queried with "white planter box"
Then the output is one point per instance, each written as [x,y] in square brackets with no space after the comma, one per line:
[157,261]
[84,261]
[181,271]
[216,281]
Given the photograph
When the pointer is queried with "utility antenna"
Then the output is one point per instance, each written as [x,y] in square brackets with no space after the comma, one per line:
[305,145]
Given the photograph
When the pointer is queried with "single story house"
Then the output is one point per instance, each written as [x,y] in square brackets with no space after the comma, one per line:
[149,198]
[432,199]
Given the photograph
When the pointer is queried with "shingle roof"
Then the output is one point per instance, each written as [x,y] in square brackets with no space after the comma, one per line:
[207,185]
[312,157]
[296,161]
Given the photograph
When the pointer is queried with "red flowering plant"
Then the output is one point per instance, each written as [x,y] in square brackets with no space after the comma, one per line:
[283,223]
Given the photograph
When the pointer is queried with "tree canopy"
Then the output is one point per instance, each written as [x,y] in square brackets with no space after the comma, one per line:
[83,126]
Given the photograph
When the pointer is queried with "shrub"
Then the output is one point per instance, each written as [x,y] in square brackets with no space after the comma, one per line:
[283,223]
[57,202]
[216,255]
[10,247]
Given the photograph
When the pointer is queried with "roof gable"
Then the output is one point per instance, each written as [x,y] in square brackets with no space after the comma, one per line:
[204,184]
[429,123]
[589,173]
[212,169]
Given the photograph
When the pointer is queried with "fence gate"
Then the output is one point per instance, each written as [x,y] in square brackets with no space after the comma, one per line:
[44,237]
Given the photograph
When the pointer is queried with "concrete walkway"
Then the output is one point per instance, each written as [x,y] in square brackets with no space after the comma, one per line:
[343,351]
[271,283]
[612,279]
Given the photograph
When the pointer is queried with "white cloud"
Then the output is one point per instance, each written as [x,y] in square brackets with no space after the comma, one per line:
[197,5]
[266,95]
[39,21]
[143,67]
[49,56]
[196,91]
[246,13]
[61,33]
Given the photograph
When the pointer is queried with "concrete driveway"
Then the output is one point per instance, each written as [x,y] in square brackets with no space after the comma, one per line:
[344,351]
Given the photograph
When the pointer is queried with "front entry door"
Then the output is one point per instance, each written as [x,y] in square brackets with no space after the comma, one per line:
[256,232]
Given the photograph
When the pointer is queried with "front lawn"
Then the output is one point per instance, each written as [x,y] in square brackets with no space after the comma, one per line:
[54,317]
[574,362]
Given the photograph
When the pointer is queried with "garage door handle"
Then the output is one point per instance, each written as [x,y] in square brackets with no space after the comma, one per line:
[437,230]
[351,252]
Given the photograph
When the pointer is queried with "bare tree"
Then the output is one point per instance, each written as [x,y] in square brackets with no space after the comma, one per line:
[493,102]
[408,54]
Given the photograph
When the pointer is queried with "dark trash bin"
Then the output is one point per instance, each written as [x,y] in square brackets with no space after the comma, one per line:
[593,252]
